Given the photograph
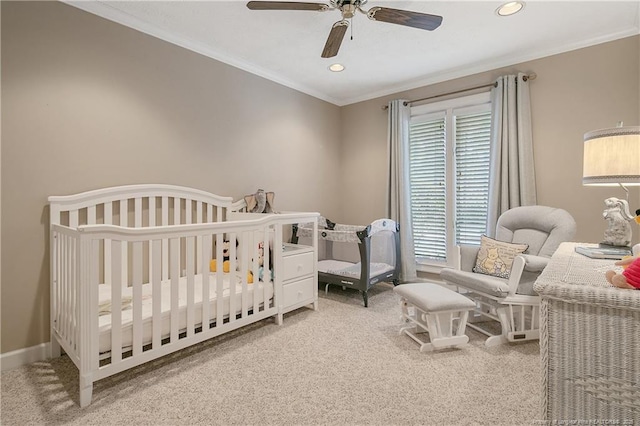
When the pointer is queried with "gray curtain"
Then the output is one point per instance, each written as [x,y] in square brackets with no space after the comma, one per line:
[512,181]
[398,196]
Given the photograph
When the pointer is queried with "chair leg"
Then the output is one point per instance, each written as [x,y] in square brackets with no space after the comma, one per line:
[439,326]
[513,323]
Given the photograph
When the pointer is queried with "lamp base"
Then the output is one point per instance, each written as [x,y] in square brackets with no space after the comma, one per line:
[618,232]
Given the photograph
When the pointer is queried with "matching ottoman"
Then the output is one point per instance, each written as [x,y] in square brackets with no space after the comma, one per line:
[434,309]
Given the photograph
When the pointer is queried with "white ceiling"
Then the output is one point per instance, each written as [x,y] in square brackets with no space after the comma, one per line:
[382,58]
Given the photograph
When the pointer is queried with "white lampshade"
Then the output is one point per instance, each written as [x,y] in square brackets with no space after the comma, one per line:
[612,157]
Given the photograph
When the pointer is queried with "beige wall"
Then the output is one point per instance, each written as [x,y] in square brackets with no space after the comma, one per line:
[87,103]
[573,93]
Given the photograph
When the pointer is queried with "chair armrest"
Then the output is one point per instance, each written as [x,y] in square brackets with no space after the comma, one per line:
[522,263]
[468,256]
[534,263]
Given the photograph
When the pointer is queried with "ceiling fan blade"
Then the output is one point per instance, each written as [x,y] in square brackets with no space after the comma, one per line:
[286,5]
[334,40]
[422,21]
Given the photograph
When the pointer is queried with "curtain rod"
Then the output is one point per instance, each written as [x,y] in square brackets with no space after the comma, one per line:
[531,76]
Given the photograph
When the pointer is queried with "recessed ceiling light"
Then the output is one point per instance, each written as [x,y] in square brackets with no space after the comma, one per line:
[510,8]
[336,67]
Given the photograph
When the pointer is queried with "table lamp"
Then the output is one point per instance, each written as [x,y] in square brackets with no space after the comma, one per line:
[612,158]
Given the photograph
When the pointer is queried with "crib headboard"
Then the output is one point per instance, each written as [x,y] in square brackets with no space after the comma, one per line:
[139,206]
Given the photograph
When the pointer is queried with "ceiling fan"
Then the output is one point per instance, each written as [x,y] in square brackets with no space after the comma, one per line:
[348,8]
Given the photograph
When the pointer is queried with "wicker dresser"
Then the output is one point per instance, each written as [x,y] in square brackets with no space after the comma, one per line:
[589,343]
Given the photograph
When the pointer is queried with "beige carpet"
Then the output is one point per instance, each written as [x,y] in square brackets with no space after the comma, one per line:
[342,365]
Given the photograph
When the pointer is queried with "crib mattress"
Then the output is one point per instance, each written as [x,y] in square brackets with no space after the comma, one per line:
[104,320]
[351,270]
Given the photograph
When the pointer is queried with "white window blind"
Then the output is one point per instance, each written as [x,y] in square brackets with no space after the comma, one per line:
[449,152]
[427,174]
[472,176]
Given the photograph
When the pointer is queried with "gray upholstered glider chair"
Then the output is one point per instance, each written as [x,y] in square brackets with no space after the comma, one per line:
[511,301]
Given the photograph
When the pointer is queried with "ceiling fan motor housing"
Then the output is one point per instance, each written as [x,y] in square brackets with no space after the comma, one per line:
[347,7]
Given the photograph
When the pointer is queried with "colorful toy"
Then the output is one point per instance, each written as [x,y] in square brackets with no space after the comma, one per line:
[630,276]
[226,250]
[213,265]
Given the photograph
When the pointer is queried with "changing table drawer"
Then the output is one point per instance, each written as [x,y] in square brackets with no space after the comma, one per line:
[298,291]
[297,265]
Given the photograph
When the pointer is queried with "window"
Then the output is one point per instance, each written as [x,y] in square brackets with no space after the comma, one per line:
[449,175]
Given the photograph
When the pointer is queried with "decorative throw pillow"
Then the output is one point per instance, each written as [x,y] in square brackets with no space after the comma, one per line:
[496,257]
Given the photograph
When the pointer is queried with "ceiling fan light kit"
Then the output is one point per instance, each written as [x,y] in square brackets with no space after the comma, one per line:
[348,8]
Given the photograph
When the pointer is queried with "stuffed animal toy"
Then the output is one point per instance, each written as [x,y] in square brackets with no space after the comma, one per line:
[261,264]
[226,250]
[630,276]
[260,202]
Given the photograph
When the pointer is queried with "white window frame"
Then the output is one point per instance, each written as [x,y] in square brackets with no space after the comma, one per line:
[480,102]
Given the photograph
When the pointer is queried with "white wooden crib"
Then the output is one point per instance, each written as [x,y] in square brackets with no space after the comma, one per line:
[131,276]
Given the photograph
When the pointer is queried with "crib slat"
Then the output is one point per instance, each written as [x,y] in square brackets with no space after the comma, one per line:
[199,219]
[190,290]
[209,213]
[73,219]
[63,282]
[92,309]
[91,215]
[124,220]
[137,212]
[156,292]
[65,289]
[108,220]
[266,275]
[152,222]
[137,280]
[219,281]
[232,276]
[75,294]
[68,294]
[206,256]
[174,270]
[71,294]
[176,211]
[165,242]
[137,298]
[244,268]
[116,303]
[188,218]
[152,211]
[55,280]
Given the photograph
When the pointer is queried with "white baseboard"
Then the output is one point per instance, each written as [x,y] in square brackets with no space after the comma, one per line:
[20,357]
